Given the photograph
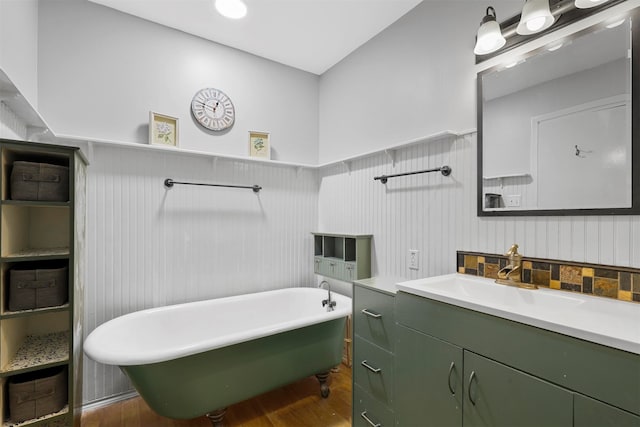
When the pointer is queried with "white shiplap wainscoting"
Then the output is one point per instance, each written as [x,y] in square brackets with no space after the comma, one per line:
[437,215]
[151,246]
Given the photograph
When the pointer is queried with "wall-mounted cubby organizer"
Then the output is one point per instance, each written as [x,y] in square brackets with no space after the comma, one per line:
[42,212]
[342,256]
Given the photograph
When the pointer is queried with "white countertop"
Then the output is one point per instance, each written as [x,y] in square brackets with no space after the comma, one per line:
[386,284]
[600,320]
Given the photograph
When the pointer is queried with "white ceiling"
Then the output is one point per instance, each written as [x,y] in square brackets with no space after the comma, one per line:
[311,35]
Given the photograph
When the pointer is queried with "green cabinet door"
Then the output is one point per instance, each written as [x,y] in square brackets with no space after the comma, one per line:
[499,396]
[592,413]
[428,381]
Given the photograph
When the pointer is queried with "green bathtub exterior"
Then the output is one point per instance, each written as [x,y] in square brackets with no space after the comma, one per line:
[192,386]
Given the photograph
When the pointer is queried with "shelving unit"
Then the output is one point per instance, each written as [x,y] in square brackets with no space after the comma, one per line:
[342,256]
[39,235]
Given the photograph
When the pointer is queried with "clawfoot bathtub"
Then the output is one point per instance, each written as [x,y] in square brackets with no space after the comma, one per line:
[197,358]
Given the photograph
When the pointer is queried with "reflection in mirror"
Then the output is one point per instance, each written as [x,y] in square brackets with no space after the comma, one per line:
[555,128]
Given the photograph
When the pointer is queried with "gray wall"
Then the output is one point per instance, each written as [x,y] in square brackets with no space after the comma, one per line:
[19,45]
[101,71]
[414,79]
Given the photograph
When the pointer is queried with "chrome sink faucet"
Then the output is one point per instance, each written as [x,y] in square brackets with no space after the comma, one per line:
[511,274]
[327,302]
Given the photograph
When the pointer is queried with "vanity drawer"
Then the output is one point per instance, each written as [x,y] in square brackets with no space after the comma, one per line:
[373,370]
[368,412]
[373,317]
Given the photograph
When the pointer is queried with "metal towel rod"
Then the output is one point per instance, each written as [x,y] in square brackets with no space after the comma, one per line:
[170,183]
[445,170]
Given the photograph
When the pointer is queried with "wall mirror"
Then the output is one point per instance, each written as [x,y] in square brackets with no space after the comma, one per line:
[559,127]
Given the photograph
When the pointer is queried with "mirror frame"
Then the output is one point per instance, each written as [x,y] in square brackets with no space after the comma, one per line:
[635,125]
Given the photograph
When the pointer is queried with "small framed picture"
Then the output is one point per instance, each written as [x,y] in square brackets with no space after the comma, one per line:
[259,145]
[163,130]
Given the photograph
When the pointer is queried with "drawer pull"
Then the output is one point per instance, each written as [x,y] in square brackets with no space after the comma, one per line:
[471,378]
[371,314]
[451,369]
[371,368]
[367,419]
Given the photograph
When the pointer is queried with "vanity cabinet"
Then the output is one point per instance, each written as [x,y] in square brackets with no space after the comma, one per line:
[504,373]
[344,257]
[41,248]
[497,395]
[427,370]
[373,352]
[589,412]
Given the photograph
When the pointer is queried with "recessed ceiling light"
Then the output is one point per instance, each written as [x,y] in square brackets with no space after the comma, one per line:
[233,9]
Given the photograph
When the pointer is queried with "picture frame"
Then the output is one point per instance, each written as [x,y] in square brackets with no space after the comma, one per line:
[163,129]
[259,145]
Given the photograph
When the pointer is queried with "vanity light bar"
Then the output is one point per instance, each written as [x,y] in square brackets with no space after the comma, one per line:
[563,12]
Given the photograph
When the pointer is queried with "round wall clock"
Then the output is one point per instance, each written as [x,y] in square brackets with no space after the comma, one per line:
[213,109]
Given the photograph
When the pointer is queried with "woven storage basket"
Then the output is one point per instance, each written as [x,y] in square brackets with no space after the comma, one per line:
[38,393]
[39,181]
[37,288]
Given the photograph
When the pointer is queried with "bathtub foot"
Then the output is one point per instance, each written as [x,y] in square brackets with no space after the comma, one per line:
[324,387]
[216,417]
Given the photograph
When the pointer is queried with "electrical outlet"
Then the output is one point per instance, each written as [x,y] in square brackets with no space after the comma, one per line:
[512,201]
[414,259]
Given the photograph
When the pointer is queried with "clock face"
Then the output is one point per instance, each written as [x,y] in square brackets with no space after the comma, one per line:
[213,109]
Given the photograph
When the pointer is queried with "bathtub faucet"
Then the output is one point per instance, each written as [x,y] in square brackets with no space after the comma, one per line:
[327,302]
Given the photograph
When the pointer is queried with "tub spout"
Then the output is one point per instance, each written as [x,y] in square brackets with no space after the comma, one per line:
[327,302]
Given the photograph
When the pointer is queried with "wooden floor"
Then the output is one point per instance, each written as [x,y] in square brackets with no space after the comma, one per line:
[296,405]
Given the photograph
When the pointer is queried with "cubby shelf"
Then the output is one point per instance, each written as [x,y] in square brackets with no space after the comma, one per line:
[61,414]
[39,351]
[6,314]
[37,254]
[39,266]
[344,257]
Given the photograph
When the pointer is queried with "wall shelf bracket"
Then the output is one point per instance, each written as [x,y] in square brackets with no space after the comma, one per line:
[347,166]
[391,153]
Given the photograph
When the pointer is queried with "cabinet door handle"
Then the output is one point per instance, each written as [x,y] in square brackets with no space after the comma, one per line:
[371,314]
[451,369]
[371,368]
[367,419]
[471,378]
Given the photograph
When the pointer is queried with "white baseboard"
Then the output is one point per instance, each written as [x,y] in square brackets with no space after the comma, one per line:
[96,404]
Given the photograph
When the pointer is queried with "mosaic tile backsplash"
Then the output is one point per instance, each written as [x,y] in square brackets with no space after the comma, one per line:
[600,280]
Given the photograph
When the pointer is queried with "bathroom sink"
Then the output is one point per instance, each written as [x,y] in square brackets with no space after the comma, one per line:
[601,320]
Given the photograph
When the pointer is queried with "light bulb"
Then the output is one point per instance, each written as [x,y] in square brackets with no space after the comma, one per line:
[535,17]
[233,9]
[536,23]
[614,24]
[586,4]
[489,38]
